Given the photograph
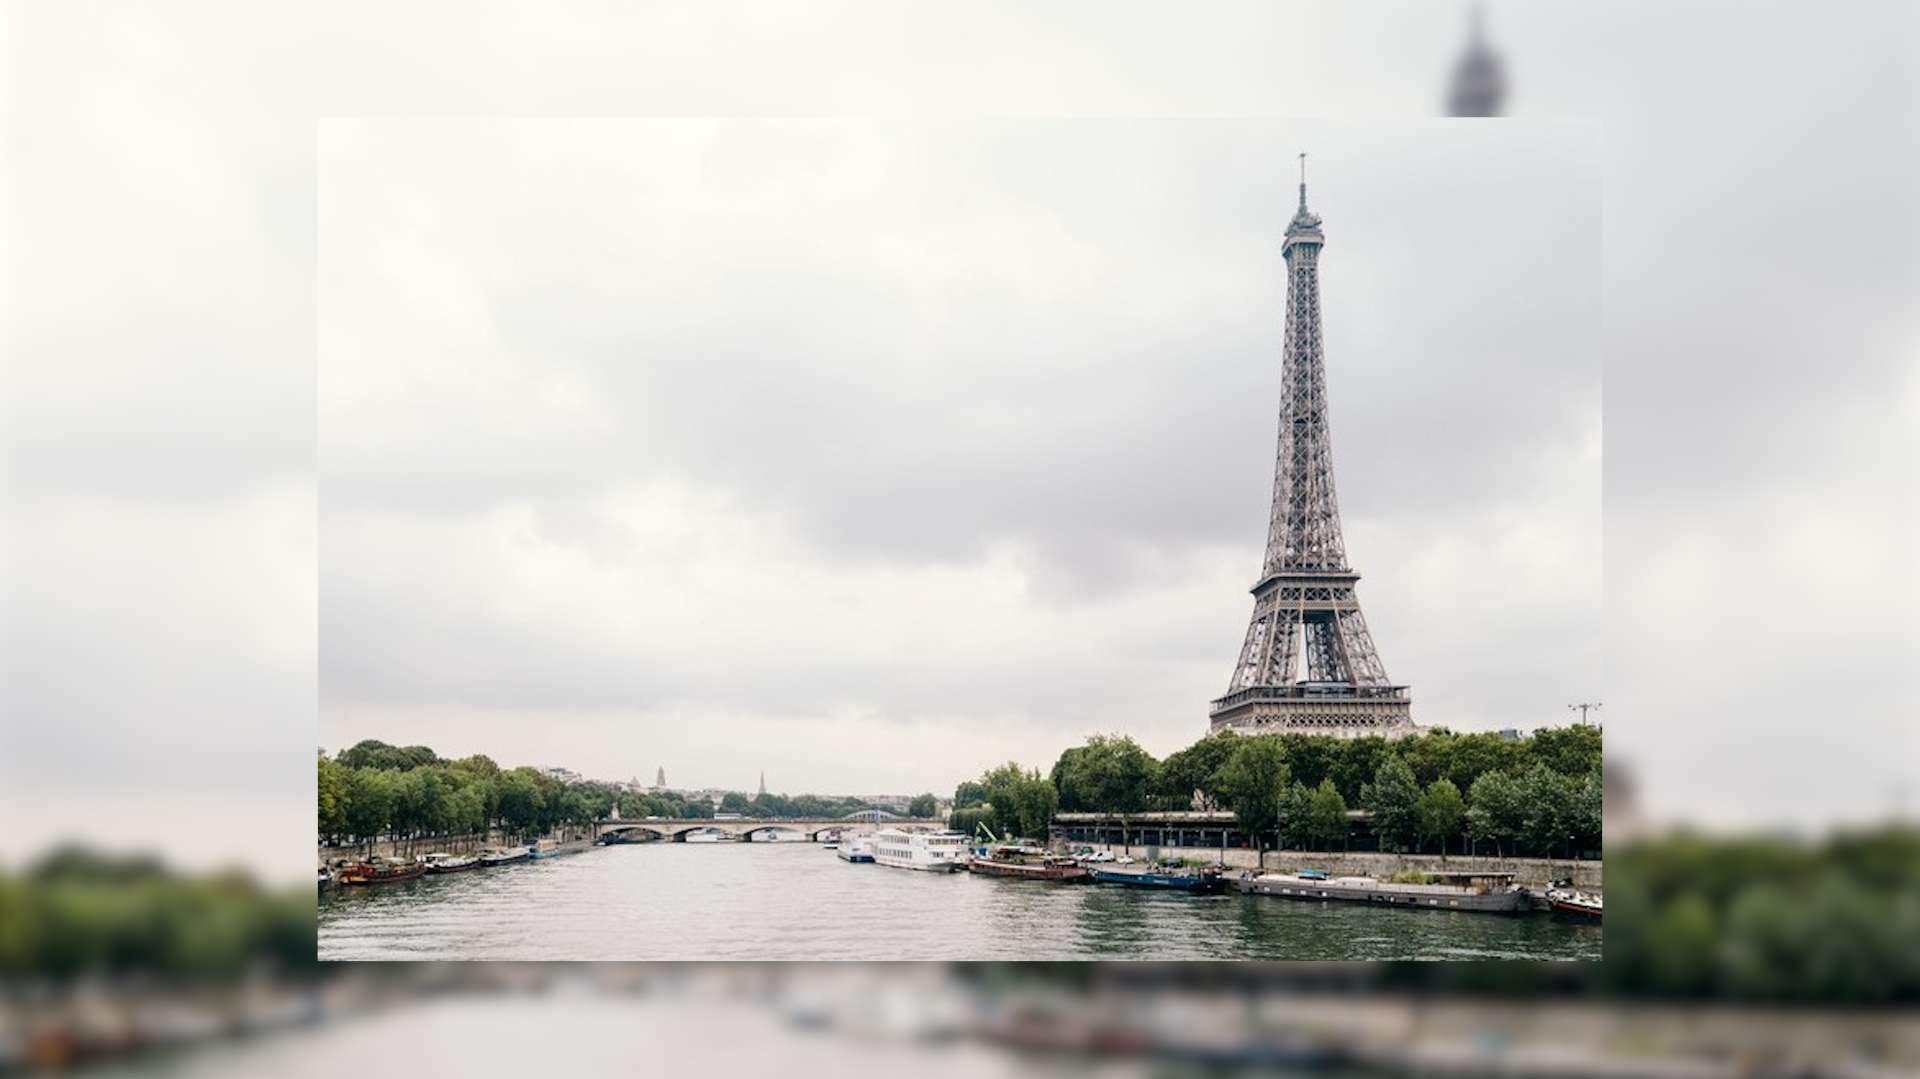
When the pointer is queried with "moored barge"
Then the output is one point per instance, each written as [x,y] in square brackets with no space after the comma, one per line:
[377,870]
[1486,892]
[1203,881]
[1028,863]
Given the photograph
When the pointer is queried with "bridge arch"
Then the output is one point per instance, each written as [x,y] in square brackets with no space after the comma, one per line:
[653,834]
[680,834]
[768,829]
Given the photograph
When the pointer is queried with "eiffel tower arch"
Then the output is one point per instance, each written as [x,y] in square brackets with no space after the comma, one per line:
[1308,663]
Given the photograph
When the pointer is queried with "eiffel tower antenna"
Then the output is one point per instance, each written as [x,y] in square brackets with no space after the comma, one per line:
[1308,662]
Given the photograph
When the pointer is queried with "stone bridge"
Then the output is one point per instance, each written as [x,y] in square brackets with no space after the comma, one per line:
[817,830]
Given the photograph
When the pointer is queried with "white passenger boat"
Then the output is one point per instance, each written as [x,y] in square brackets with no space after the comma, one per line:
[855,848]
[940,852]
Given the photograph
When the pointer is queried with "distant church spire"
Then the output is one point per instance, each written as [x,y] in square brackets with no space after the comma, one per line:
[763,781]
[1479,85]
[660,777]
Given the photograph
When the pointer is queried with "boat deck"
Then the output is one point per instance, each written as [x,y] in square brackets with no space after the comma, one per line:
[1369,890]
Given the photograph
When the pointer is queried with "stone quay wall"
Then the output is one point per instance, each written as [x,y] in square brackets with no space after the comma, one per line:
[452,844]
[1532,872]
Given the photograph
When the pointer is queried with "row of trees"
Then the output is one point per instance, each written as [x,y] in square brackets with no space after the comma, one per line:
[1112,773]
[1529,806]
[413,799]
[1437,790]
[373,790]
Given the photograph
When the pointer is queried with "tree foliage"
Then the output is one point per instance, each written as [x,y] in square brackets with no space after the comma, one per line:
[1441,813]
[1111,773]
[1394,800]
[1327,816]
[1194,769]
[1253,781]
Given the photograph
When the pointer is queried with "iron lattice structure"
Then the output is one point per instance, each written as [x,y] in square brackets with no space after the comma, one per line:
[1308,663]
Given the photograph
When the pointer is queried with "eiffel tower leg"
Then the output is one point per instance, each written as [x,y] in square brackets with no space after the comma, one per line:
[1268,652]
[1363,663]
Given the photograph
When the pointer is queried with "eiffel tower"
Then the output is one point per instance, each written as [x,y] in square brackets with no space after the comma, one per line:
[1308,664]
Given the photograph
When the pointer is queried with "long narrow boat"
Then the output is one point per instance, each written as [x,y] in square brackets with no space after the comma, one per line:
[1178,877]
[1028,863]
[504,856]
[441,862]
[548,848]
[378,870]
[1488,892]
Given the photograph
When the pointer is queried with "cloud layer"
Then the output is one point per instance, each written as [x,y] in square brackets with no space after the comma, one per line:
[899,434]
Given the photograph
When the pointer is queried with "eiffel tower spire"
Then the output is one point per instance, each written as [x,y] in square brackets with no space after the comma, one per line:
[1308,662]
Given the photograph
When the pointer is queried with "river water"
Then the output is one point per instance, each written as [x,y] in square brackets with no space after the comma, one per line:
[691,901]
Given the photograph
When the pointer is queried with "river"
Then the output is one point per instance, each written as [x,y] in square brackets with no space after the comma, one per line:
[693,901]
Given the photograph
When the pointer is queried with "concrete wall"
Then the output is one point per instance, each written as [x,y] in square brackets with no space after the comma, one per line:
[1529,871]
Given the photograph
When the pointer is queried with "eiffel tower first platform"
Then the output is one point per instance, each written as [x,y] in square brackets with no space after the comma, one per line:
[1308,664]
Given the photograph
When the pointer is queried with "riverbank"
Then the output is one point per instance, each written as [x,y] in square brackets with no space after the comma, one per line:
[1534,873]
[405,847]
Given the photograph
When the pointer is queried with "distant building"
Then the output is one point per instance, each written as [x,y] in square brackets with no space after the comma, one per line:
[564,775]
[763,781]
[660,778]
[1509,735]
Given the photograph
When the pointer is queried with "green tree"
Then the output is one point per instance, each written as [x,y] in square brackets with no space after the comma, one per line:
[1570,751]
[1441,813]
[1017,802]
[1474,755]
[1394,800]
[1252,782]
[479,765]
[1546,798]
[1066,776]
[969,819]
[1110,774]
[1312,757]
[922,806]
[1359,759]
[373,753]
[333,787]
[1496,811]
[1327,815]
[1035,803]
[520,801]
[1587,807]
[735,802]
[969,793]
[369,803]
[1193,769]
[1296,816]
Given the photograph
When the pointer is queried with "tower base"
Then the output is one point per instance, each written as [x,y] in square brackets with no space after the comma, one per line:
[1370,712]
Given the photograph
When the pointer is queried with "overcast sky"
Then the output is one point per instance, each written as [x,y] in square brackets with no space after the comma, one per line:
[1758,262]
[876,453]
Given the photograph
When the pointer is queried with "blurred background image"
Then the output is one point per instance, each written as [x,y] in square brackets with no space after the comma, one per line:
[1760,398]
